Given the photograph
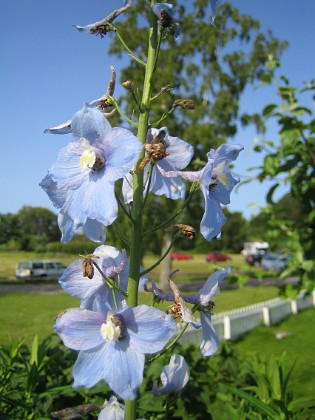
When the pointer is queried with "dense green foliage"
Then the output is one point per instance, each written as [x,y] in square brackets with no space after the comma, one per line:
[30,229]
[291,159]
[211,65]
[36,382]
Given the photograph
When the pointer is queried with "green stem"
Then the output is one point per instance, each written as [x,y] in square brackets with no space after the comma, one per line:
[149,232]
[121,113]
[164,116]
[123,207]
[136,237]
[162,257]
[137,59]
[110,282]
[148,183]
[169,346]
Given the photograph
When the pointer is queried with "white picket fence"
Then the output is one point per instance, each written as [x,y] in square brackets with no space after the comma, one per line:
[232,324]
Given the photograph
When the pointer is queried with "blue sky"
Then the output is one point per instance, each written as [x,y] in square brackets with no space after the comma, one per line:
[48,70]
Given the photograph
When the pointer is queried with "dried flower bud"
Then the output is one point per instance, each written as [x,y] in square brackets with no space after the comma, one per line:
[184,104]
[87,266]
[188,231]
[166,88]
[128,85]
[74,412]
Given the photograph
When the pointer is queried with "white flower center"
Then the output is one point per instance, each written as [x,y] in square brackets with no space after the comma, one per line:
[220,173]
[88,156]
[110,331]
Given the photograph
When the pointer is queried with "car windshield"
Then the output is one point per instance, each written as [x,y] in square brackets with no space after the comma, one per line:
[23,265]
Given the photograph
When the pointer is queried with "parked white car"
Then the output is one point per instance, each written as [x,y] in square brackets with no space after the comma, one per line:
[39,269]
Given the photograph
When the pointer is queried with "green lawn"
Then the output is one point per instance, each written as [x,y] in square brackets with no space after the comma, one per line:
[299,346]
[196,267]
[24,315]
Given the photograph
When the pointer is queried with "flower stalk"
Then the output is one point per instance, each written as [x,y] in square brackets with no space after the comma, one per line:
[137,208]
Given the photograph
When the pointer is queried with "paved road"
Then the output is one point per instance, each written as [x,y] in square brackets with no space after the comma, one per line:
[185,286]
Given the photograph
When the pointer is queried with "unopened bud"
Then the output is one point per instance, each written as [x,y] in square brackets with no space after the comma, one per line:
[128,85]
[188,231]
[185,104]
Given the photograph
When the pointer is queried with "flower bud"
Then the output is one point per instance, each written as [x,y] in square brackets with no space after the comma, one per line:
[186,230]
[184,104]
[128,85]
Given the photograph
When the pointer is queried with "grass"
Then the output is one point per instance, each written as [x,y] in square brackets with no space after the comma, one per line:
[194,268]
[299,346]
[24,315]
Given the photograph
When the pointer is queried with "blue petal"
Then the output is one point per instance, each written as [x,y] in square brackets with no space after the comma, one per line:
[64,128]
[79,329]
[94,230]
[90,123]
[226,152]
[66,225]
[57,196]
[127,189]
[158,7]
[112,411]
[180,154]
[172,188]
[210,341]
[213,218]
[123,153]
[151,329]
[211,287]
[174,376]
[123,370]
[66,170]
[88,369]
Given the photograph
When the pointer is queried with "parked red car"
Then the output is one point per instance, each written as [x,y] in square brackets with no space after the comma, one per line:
[180,256]
[215,256]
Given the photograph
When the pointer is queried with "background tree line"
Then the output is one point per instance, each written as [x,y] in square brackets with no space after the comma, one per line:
[36,229]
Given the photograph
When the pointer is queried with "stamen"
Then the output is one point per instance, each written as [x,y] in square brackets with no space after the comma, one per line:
[113,329]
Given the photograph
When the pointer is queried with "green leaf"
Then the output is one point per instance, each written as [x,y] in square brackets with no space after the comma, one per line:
[271,164]
[262,407]
[34,352]
[274,378]
[270,193]
[266,78]
[268,109]
[301,403]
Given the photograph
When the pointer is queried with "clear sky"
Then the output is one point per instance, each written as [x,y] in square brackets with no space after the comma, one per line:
[49,69]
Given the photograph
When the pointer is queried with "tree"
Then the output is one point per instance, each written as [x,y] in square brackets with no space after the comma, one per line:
[291,159]
[31,228]
[205,67]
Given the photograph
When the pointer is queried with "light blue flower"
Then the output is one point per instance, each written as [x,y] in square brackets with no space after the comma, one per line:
[216,184]
[82,180]
[177,155]
[112,345]
[93,229]
[94,292]
[165,13]
[173,377]
[113,410]
[202,298]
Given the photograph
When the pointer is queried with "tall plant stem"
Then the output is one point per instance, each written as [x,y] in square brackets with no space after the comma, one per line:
[137,207]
